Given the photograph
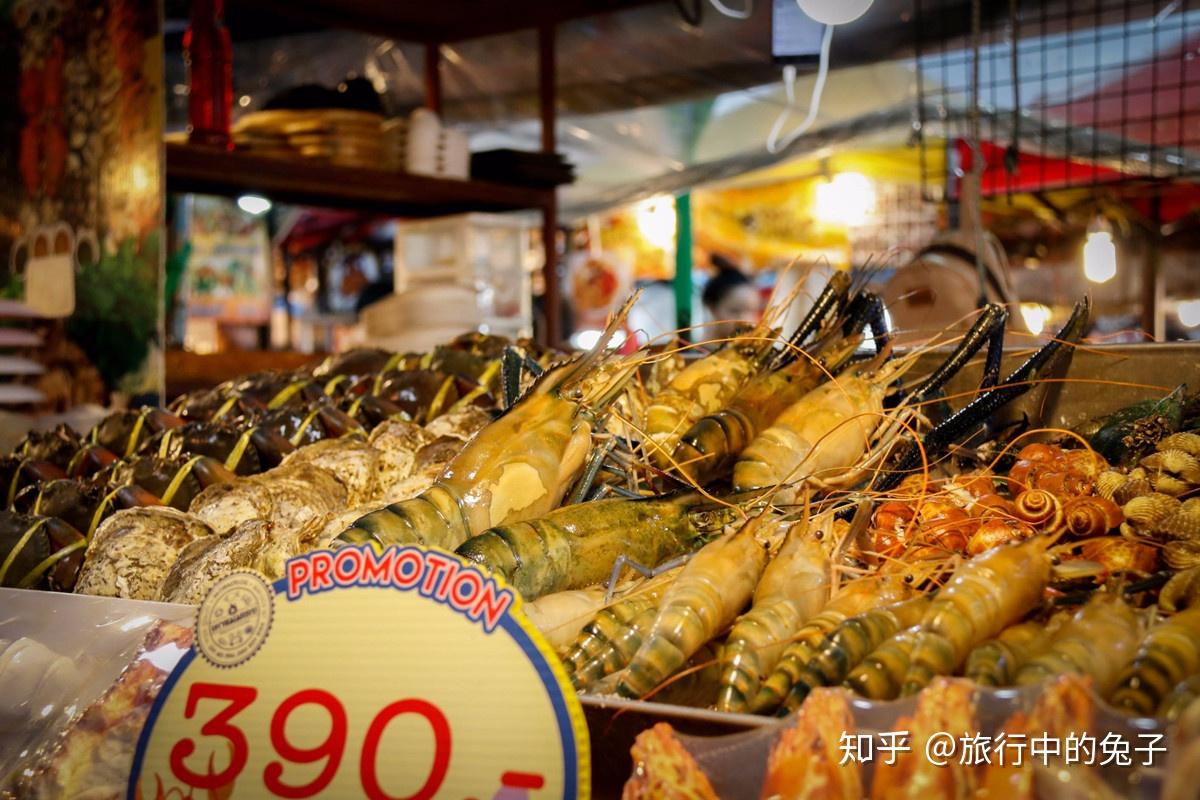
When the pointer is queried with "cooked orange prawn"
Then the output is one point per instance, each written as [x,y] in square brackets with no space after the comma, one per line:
[806,762]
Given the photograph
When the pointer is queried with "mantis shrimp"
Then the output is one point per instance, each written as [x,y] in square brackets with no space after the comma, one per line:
[515,469]
[792,589]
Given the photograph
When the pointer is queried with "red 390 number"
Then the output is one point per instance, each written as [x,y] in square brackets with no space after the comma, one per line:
[225,702]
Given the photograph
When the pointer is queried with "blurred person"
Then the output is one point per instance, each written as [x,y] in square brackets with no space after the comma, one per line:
[731,300]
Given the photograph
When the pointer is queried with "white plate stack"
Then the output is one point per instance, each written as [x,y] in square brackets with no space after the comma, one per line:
[421,146]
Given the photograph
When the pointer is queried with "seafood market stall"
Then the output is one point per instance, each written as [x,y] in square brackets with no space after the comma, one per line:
[1002,550]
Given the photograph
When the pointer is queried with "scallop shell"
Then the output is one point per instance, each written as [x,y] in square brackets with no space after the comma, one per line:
[1182,554]
[1131,488]
[1182,591]
[1180,524]
[1179,463]
[1167,483]
[1188,442]
[1146,511]
[1107,483]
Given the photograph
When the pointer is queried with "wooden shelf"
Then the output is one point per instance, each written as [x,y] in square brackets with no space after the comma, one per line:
[207,170]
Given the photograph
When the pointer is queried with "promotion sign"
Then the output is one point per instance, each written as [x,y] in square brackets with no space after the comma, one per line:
[403,673]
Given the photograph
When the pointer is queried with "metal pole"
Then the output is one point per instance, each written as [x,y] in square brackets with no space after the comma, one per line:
[546,94]
[1153,322]
[433,78]
[683,263]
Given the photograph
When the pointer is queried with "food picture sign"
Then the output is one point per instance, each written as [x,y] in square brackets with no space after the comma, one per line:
[402,673]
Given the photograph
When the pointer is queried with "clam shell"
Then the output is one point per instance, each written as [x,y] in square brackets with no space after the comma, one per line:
[1188,442]
[1107,483]
[1179,524]
[1192,504]
[1146,511]
[1131,488]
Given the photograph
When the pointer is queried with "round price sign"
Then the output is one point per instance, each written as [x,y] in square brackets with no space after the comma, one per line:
[401,674]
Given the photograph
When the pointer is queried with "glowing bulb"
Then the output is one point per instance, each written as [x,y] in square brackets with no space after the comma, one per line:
[656,221]
[587,339]
[835,12]
[1099,257]
[1036,316]
[253,204]
[847,200]
[1189,313]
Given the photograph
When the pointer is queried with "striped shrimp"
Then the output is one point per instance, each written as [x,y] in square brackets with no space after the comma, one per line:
[996,661]
[853,599]
[561,616]
[807,761]
[709,446]
[983,597]
[849,643]
[701,388]
[577,545]
[793,588]
[879,675]
[1169,653]
[1098,641]
[712,588]
[517,468]
[611,637]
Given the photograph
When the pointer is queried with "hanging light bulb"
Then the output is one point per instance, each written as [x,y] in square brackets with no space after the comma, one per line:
[1099,253]
[847,200]
[1189,312]
[835,12]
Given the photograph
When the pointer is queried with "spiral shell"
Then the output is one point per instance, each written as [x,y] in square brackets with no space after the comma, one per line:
[1091,516]
[1179,524]
[1085,463]
[1107,483]
[1146,511]
[1131,488]
[1039,451]
[1188,442]
[993,505]
[1039,508]
[996,531]
[1182,554]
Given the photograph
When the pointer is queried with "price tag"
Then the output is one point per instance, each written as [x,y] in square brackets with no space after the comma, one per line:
[404,674]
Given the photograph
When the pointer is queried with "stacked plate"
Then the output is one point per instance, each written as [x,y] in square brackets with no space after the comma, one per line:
[338,136]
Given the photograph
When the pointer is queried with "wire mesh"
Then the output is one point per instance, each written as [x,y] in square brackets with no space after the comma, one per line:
[1071,93]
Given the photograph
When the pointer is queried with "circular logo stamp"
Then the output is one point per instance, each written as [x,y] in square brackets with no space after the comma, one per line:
[235,619]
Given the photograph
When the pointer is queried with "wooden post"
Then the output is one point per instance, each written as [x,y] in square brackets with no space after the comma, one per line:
[433,77]
[552,304]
